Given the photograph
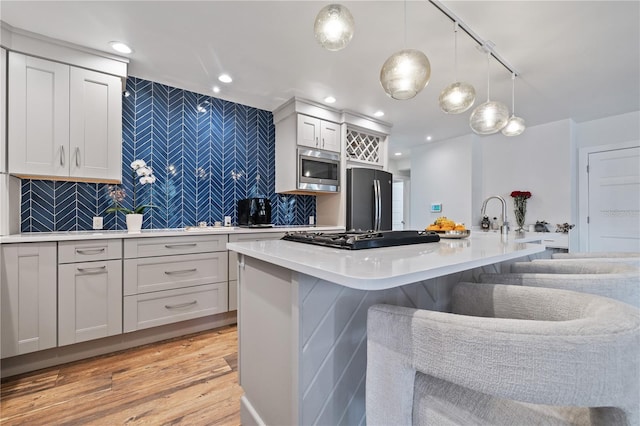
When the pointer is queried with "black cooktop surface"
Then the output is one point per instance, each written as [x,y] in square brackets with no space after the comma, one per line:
[363,240]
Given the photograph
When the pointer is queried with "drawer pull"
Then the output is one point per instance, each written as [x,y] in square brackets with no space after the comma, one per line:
[181,305]
[180,245]
[90,251]
[97,270]
[183,271]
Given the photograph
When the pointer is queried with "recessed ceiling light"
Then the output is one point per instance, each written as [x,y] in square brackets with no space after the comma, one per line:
[330,99]
[398,153]
[225,78]
[379,113]
[120,47]
[428,138]
[216,89]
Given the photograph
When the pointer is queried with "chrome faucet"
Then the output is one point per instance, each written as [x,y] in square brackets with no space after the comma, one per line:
[504,229]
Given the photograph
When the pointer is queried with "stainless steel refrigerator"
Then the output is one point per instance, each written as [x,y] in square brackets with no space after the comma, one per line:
[368,199]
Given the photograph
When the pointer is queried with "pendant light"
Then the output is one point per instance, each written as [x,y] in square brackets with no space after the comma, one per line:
[491,116]
[459,96]
[405,73]
[334,27]
[515,125]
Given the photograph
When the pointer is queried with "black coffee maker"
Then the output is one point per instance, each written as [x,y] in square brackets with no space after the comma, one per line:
[254,212]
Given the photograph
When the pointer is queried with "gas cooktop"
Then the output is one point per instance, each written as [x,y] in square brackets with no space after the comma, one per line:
[363,240]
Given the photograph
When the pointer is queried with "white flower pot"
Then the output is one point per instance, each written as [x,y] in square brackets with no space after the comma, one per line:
[134,222]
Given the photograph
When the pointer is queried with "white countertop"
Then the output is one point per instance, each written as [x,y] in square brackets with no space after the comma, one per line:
[31,237]
[381,268]
[547,239]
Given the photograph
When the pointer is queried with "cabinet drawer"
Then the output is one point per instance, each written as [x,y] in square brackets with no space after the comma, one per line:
[166,246]
[88,251]
[165,307]
[149,274]
[233,256]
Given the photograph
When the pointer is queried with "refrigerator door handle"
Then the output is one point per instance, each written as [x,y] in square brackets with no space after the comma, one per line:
[375,205]
[378,204]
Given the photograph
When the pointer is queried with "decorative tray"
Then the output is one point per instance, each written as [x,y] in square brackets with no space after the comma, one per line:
[454,234]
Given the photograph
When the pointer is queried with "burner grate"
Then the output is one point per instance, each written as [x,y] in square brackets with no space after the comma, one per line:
[363,240]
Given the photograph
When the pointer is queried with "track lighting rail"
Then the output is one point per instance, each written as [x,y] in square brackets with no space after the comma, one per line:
[486,45]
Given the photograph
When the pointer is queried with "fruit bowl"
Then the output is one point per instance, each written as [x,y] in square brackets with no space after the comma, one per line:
[454,234]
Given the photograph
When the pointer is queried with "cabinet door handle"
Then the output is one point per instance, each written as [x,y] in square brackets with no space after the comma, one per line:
[90,251]
[180,245]
[181,305]
[62,155]
[97,270]
[182,271]
[323,142]
[317,141]
[77,156]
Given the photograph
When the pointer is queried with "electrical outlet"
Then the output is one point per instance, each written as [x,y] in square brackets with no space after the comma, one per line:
[97,222]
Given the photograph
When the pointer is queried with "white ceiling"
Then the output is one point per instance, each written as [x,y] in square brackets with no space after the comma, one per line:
[576,59]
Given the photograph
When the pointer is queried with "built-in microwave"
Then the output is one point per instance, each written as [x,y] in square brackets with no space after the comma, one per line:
[318,170]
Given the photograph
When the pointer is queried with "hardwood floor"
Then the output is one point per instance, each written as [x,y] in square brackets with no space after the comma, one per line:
[191,381]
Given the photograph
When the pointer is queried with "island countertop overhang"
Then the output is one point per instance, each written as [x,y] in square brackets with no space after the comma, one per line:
[383,268]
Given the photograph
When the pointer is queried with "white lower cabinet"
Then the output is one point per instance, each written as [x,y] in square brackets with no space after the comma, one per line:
[162,286]
[233,261]
[28,297]
[89,293]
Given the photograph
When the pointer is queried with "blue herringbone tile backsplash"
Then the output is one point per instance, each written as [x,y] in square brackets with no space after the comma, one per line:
[204,163]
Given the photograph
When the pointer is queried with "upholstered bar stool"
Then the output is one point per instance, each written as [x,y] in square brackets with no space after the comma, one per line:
[632,258]
[618,281]
[507,355]
[602,254]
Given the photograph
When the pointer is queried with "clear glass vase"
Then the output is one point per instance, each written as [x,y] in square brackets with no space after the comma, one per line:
[520,210]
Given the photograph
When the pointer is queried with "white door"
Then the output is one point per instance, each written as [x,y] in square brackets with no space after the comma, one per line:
[397,207]
[614,200]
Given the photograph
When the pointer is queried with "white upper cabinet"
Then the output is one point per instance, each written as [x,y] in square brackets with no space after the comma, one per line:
[63,122]
[95,125]
[317,133]
[38,116]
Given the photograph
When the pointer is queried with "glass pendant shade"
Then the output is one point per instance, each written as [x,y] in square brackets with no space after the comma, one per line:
[514,127]
[334,27]
[457,97]
[405,74]
[489,117]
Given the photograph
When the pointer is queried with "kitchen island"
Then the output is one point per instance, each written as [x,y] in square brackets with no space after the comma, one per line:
[303,309]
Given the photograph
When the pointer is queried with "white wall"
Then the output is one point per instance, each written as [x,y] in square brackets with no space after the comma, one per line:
[537,161]
[608,130]
[441,172]
[462,172]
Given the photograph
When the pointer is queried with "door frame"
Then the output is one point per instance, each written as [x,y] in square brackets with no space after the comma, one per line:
[583,185]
